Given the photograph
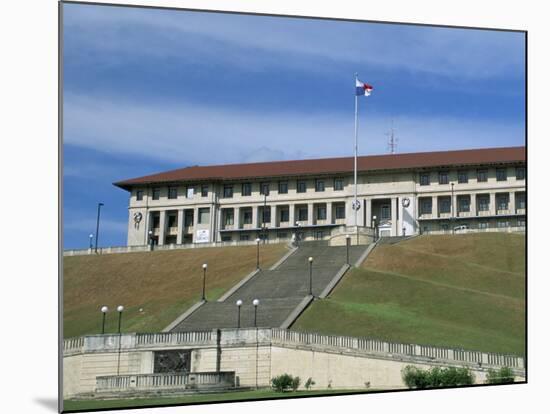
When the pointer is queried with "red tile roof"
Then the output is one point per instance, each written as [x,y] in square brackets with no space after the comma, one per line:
[332,166]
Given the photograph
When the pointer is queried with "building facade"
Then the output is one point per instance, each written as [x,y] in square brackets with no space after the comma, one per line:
[399,194]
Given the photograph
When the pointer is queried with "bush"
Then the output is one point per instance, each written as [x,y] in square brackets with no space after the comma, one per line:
[503,375]
[309,383]
[284,382]
[436,377]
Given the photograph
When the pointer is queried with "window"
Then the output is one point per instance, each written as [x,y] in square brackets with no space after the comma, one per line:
[483,203]
[227,191]
[443,177]
[204,215]
[156,193]
[190,192]
[284,217]
[282,235]
[520,200]
[244,237]
[172,220]
[139,195]
[425,179]
[229,217]
[247,189]
[172,193]
[340,212]
[188,218]
[283,187]
[338,184]
[156,220]
[385,212]
[321,213]
[266,215]
[483,225]
[520,173]
[204,191]
[226,238]
[501,174]
[445,205]
[319,185]
[502,224]
[462,177]
[481,176]
[463,204]
[247,216]
[426,206]
[521,222]
[302,213]
[502,201]
[301,187]
[264,189]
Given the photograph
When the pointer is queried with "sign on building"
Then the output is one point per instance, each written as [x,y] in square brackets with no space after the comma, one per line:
[202,236]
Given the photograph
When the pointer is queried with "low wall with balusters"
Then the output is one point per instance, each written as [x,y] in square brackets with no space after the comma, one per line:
[254,356]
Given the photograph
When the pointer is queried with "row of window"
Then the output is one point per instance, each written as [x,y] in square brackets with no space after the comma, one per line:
[482,176]
[284,216]
[301,187]
[483,201]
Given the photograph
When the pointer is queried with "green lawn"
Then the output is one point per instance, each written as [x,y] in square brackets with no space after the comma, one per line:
[465,291]
[154,287]
[74,405]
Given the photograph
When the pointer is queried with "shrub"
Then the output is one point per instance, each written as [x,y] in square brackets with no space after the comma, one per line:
[503,375]
[295,383]
[284,382]
[436,377]
[309,383]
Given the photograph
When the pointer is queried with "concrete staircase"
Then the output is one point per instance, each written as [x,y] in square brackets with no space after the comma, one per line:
[280,290]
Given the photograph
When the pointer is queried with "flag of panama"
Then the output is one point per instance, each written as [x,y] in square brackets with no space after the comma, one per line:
[362,88]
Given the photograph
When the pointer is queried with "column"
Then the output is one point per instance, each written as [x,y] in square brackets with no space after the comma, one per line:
[218,225]
[492,204]
[369,212]
[162,227]
[512,202]
[237,218]
[454,210]
[310,214]
[273,217]
[179,237]
[330,219]
[195,219]
[255,221]
[473,211]
[291,215]
[394,216]
[435,207]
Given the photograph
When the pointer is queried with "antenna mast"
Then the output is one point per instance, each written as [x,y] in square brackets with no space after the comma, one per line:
[392,140]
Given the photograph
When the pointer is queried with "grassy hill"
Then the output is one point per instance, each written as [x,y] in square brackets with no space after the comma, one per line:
[463,291]
[154,287]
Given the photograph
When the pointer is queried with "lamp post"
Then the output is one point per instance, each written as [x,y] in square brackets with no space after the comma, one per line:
[119,309]
[255,302]
[204,266]
[375,229]
[297,233]
[258,253]
[348,241]
[91,236]
[99,205]
[239,304]
[310,260]
[263,215]
[452,206]
[151,239]
[104,310]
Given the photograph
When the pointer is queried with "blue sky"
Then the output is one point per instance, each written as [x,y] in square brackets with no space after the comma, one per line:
[149,90]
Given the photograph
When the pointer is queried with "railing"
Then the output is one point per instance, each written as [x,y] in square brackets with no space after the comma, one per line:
[282,336]
[144,382]
[175,338]
[73,345]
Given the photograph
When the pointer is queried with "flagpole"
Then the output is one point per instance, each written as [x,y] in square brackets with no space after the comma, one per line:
[355,165]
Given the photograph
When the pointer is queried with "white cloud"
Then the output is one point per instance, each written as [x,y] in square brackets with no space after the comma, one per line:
[210,135]
[252,42]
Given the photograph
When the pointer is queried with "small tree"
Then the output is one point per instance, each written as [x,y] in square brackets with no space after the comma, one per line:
[295,383]
[415,377]
[309,383]
[503,375]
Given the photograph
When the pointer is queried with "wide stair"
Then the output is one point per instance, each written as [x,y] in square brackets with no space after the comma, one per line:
[280,290]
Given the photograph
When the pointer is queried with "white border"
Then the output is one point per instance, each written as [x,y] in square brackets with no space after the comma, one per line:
[28,244]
